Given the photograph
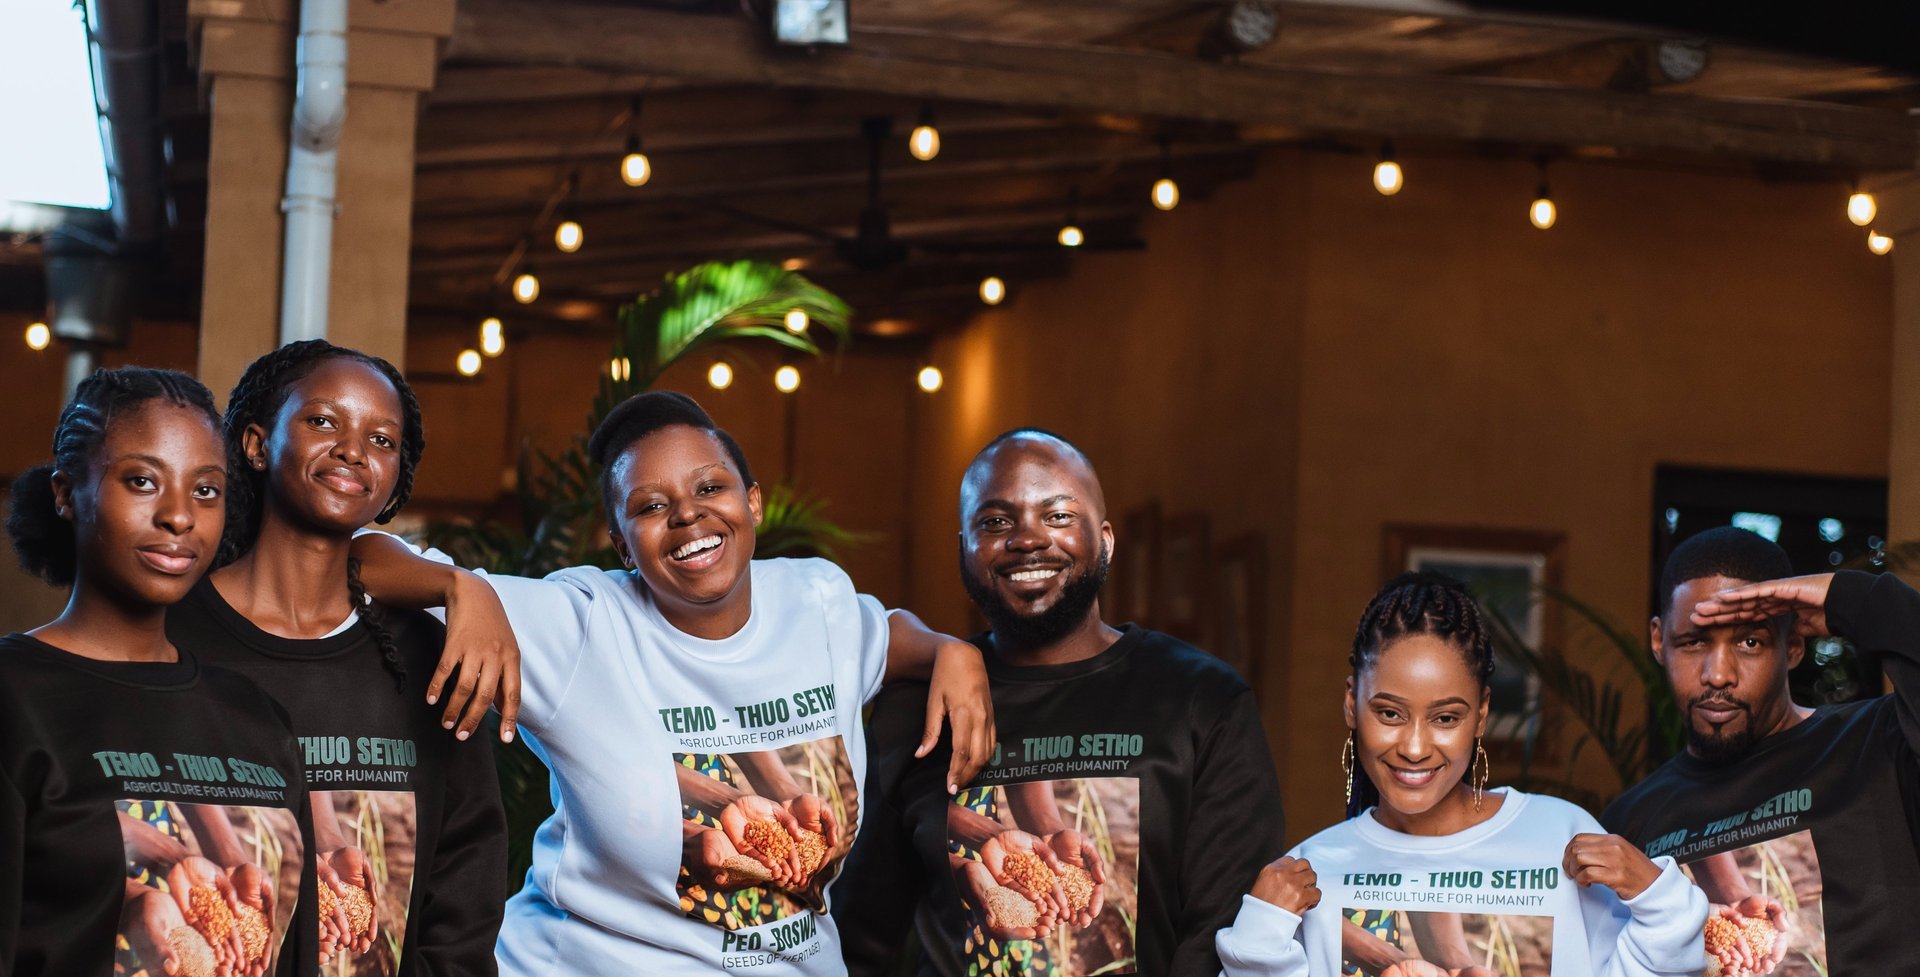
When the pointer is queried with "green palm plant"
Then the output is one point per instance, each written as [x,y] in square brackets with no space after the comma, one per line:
[561,522]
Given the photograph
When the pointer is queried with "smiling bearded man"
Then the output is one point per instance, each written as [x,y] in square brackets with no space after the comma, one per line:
[1131,800]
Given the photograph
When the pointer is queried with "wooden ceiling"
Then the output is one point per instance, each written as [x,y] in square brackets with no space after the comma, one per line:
[759,150]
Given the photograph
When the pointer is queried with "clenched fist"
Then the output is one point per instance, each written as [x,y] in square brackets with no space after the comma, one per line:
[1609,860]
[1289,883]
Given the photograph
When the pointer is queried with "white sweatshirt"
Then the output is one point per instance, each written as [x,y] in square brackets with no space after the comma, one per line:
[1500,880]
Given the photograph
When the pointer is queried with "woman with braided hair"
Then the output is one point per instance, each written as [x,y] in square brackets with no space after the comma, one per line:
[1434,875]
[409,838]
[115,855]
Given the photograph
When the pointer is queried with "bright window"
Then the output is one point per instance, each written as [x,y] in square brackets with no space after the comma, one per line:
[49,135]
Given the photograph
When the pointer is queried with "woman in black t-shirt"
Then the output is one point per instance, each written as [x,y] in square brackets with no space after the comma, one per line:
[150,810]
[409,838]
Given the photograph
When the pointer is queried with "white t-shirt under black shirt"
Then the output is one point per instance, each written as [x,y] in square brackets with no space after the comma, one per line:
[640,722]
[1492,896]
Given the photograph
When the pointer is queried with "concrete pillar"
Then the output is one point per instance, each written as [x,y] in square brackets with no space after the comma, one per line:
[245,57]
[1899,218]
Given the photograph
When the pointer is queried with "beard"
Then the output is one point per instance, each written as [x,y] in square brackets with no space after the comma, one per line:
[1019,629]
[1724,744]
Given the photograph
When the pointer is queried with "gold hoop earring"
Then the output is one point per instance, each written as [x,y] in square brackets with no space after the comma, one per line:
[1346,765]
[1479,772]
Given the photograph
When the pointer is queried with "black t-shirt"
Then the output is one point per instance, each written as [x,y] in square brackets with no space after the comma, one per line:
[1818,821]
[133,797]
[417,810]
[1148,760]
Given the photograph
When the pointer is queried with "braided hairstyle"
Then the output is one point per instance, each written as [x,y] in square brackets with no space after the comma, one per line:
[259,395]
[43,541]
[1430,604]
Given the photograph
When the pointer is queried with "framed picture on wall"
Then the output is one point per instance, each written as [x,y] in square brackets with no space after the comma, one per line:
[1136,559]
[1239,605]
[1181,594]
[1506,569]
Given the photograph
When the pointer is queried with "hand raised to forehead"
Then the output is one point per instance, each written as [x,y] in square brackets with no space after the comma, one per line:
[1806,597]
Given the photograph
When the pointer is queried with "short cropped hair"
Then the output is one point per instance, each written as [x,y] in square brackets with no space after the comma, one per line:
[1724,551]
[641,415]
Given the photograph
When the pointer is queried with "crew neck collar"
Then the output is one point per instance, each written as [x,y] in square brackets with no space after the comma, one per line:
[1000,670]
[157,676]
[339,642]
[1379,835]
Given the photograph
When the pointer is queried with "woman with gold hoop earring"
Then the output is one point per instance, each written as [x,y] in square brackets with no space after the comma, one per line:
[1434,875]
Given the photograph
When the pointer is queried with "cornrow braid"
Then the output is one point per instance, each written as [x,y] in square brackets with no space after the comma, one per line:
[43,540]
[1420,603]
[374,617]
[262,389]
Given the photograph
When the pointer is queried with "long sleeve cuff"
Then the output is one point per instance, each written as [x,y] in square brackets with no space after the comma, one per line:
[1665,935]
[1262,942]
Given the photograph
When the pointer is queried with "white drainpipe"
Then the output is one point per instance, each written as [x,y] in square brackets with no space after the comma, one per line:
[319,110]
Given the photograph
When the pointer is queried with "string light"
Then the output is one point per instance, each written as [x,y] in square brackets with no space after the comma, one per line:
[787,379]
[1861,208]
[468,362]
[568,236]
[526,286]
[1387,177]
[797,321]
[924,143]
[1070,235]
[1166,193]
[720,376]
[992,290]
[620,368]
[635,168]
[930,379]
[38,336]
[1879,243]
[1542,211]
[493,340]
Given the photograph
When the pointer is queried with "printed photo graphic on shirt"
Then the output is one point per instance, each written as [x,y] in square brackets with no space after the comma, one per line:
[1767,919]
[363,844]
[762,833]
[1406,943]
[209,888]
[1048,873]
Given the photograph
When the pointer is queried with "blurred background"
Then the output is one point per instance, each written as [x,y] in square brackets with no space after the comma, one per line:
[1326,288]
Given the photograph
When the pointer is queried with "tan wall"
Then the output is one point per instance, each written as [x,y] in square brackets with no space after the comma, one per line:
[1302,356]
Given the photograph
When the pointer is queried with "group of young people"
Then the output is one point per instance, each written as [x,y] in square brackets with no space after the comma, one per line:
[229,755]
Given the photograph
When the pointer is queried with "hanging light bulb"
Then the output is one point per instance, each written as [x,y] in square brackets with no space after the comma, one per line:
[526,286]
[1542,211]
[635,168]
[38,336]
[1861,208]
[493,339]
[930,378]
[924,143]
[568,236]
[787,379]
[1166,193]
[992,290]
[1879,243]
[797,321]
[620,368]
[468,362]
[1070,235]
[720,376]
[1387,177]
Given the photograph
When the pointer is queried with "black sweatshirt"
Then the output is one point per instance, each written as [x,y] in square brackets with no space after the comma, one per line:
[122,781]
[1820,818]
[423,807]
[1151,750]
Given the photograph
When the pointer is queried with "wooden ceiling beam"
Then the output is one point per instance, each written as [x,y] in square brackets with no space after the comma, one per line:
[727,49]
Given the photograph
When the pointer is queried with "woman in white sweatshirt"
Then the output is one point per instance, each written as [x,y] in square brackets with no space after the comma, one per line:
[1433,875]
